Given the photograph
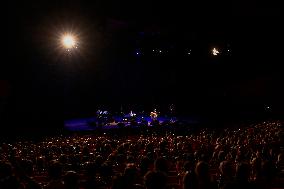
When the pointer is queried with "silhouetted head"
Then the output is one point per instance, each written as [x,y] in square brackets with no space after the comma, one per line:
[55,170]
[155,180]
[226,168]
[243,171]
[71,180]
[161,165]
[202,170]
[5,169]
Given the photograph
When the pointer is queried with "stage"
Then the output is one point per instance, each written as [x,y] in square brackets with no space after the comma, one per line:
[89,124]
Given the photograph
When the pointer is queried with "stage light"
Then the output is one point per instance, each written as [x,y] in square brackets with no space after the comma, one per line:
[215,51]
[69,41]
[138,52]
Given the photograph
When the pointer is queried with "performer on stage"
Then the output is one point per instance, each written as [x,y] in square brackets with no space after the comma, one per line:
[172,112]
[154,115]
[132,114]
[172,108]
[99,113]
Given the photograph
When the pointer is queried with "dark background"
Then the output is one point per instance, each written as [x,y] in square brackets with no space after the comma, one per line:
[40,85]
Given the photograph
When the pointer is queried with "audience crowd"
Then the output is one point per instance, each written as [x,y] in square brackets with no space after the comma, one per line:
[244,157]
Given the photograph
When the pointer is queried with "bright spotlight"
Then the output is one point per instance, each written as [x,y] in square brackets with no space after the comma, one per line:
[215,51]
[69,41]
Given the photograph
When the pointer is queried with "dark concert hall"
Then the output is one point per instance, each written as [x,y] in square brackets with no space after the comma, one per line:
[121,94]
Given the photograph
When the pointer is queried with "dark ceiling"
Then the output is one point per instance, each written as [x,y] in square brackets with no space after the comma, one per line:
[107,71]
